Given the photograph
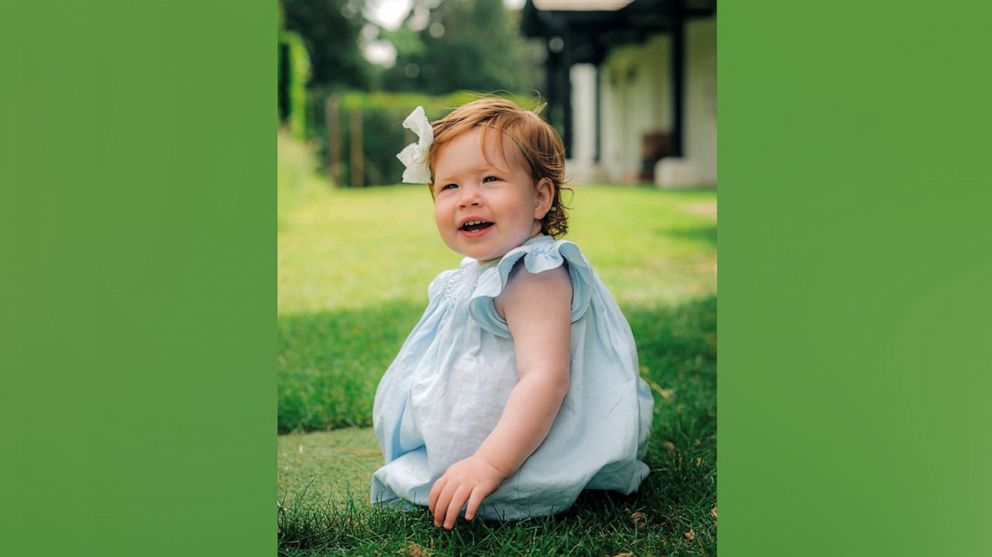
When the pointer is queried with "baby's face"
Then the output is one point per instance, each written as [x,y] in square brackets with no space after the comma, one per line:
[483,209]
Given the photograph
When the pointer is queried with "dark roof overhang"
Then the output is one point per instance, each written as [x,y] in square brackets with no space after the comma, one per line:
[590,34]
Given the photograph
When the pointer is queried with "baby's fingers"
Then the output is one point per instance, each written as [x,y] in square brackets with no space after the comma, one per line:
[442,503]
[455,506]
[474,501]
[435,494]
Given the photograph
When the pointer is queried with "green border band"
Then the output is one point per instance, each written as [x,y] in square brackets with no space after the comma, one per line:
[139,282]
[854,359]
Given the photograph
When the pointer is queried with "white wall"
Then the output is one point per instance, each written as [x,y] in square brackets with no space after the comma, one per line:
[700,98]
[636,98]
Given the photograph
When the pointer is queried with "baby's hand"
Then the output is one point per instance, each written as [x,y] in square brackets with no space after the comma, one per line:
[471,479]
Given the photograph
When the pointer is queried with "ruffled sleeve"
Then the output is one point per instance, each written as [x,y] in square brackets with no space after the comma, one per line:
[539,255]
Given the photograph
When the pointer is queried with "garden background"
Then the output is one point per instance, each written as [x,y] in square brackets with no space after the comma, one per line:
[139,226]
[355,261]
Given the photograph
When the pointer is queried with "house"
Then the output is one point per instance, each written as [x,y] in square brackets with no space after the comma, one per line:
[631,86]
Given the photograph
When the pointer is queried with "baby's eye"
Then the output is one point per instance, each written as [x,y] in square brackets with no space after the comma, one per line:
[490,179]
[448,187]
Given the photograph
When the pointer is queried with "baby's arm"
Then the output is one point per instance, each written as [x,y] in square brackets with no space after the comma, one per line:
[537,309]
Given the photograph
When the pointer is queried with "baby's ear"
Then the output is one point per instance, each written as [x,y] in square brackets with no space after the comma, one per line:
[545,196]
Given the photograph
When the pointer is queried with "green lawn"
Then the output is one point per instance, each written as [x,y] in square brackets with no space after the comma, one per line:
[354,266]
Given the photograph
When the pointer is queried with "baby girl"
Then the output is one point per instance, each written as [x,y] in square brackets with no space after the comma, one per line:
[519,387]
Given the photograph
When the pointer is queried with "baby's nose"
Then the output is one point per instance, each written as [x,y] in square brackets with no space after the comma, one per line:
[470,196]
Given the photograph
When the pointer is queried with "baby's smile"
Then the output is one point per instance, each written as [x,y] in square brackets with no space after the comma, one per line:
[475,226]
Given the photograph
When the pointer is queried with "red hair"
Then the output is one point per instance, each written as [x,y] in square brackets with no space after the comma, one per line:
[538,142]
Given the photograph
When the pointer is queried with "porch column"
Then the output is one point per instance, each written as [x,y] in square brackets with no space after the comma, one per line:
[677,68]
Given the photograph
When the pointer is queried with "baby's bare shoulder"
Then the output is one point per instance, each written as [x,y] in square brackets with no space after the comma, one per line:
[534,290]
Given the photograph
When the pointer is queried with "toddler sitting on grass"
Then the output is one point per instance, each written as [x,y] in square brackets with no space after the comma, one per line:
[519,387]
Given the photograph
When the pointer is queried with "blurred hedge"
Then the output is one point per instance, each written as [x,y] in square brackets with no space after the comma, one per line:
[383,134]
[295,71]
[294,74]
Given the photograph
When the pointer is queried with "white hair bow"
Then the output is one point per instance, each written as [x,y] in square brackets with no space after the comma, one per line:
[414,155]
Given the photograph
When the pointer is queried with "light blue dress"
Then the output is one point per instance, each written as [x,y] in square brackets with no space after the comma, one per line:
[447,388]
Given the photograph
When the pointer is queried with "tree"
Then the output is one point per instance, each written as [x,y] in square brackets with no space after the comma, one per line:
[330,29]
[462,44]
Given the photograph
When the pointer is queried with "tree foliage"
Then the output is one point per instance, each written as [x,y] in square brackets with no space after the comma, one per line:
[462,45]
[330,29]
